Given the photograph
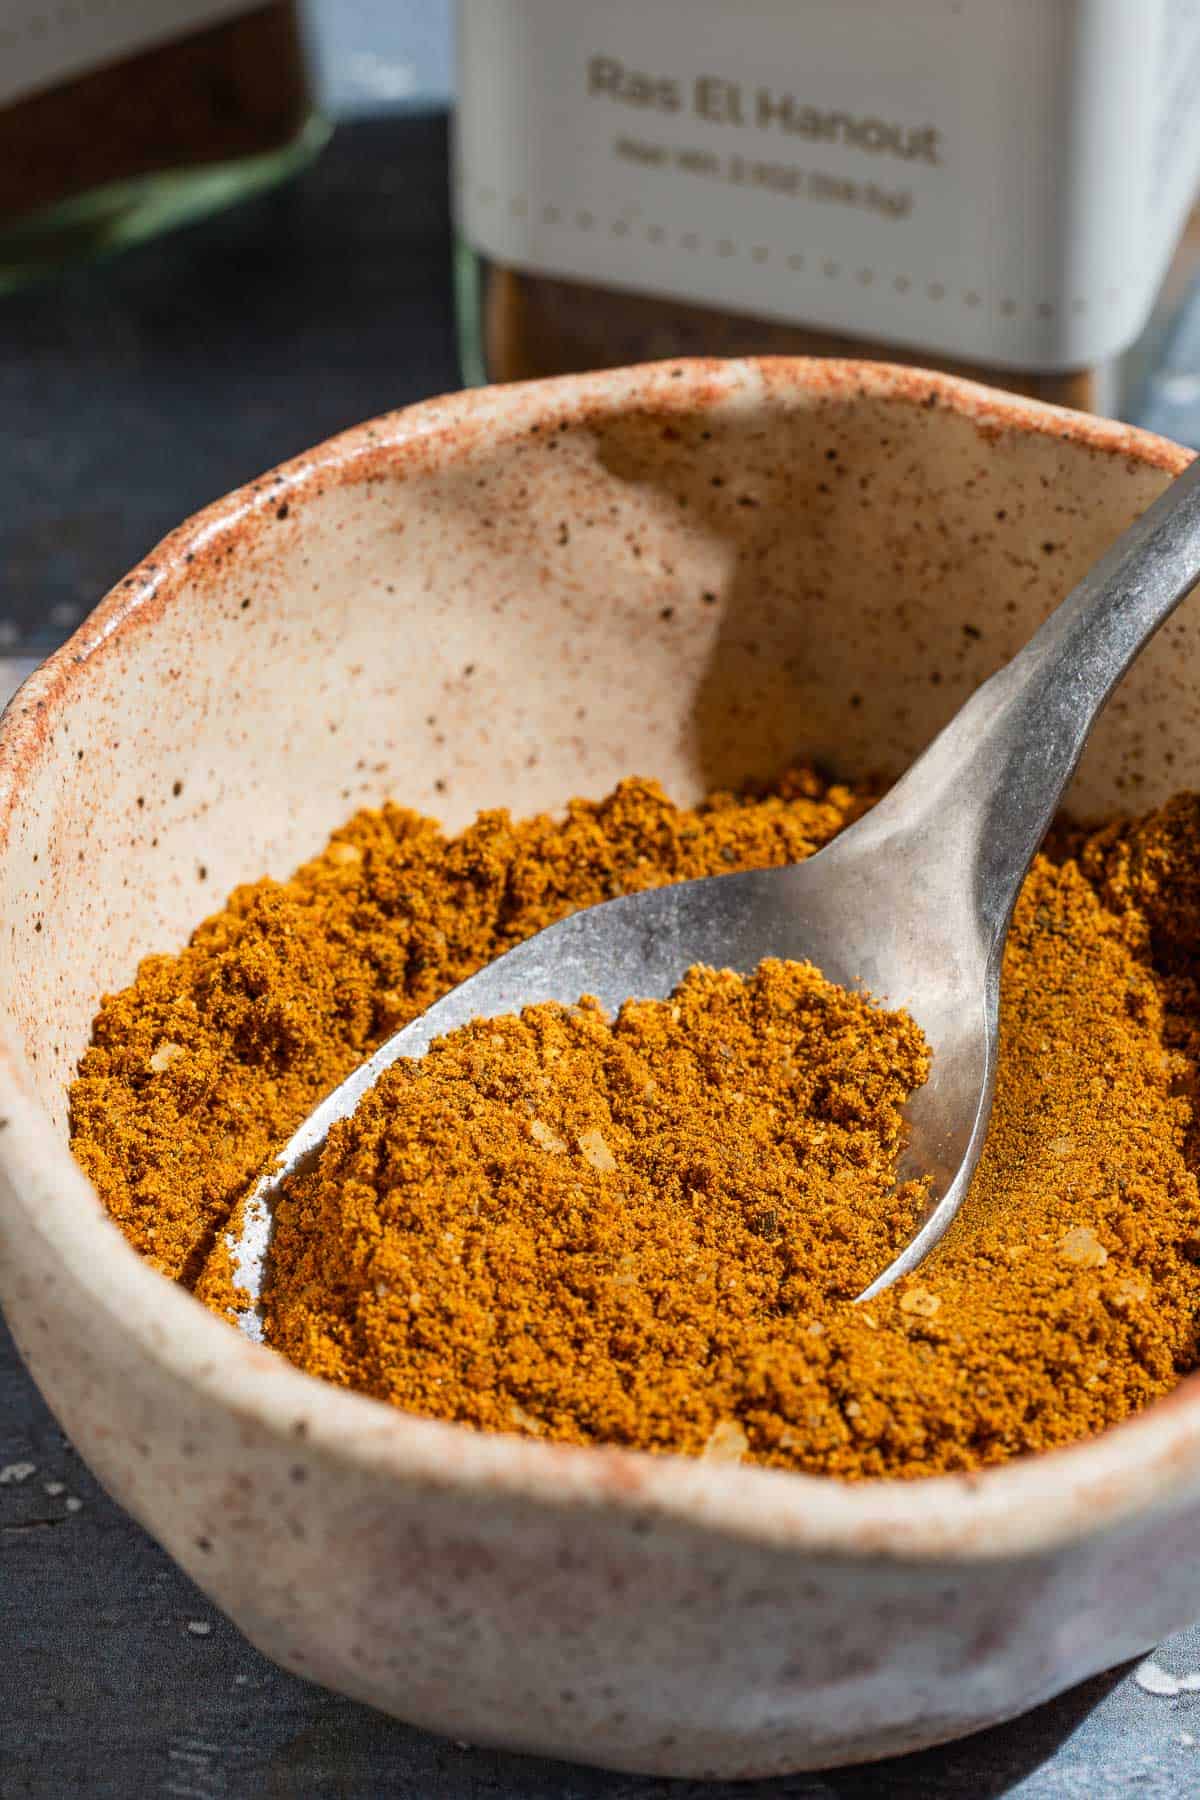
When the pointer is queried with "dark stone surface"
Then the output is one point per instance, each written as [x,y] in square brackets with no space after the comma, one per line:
[137,390]
[129,395]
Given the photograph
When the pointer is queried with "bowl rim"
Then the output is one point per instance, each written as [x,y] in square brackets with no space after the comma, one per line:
[1031,1505]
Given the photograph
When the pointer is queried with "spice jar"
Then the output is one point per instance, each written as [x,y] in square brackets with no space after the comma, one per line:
[995,188]
[120,118]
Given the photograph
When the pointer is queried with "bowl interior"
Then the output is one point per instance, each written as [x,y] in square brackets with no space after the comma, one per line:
[513,597]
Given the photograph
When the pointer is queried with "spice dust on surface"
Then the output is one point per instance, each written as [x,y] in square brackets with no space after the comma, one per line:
[649,1230]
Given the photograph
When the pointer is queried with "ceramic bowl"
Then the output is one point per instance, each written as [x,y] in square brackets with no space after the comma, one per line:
[691,570]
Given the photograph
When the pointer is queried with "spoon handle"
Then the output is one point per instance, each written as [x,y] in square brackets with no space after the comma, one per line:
[992,780]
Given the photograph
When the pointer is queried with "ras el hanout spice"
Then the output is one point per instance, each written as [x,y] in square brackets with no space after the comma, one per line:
[648,1230]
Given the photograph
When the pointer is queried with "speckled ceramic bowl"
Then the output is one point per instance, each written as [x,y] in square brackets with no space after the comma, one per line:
[509,597]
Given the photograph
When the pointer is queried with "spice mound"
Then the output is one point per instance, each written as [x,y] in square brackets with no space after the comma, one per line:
[600,1230]
[467,1250]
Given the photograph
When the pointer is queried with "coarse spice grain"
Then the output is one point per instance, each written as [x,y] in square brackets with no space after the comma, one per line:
[614,1231]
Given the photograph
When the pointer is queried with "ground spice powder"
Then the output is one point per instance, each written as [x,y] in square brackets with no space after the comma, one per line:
[595,1230]
[634,1231]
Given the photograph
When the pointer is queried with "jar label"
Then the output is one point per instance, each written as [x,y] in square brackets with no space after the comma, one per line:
[43,44]
[992,180]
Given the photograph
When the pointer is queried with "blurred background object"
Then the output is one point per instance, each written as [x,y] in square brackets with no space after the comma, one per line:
[375,55]
[980,186]
[122,118]
[137,387]
[119,120]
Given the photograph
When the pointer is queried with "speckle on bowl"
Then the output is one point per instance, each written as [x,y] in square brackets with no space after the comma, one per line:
[691,570]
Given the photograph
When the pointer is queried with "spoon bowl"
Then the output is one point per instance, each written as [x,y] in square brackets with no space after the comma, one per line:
[832,910]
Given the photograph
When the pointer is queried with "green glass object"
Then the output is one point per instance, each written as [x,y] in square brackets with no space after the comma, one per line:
[117,152]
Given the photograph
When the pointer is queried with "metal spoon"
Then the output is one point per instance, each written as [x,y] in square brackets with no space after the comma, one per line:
[912,903]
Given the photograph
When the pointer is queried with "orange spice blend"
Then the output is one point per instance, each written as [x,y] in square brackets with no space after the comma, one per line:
[649,1230]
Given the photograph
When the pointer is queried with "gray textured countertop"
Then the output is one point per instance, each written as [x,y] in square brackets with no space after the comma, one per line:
[130,395]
